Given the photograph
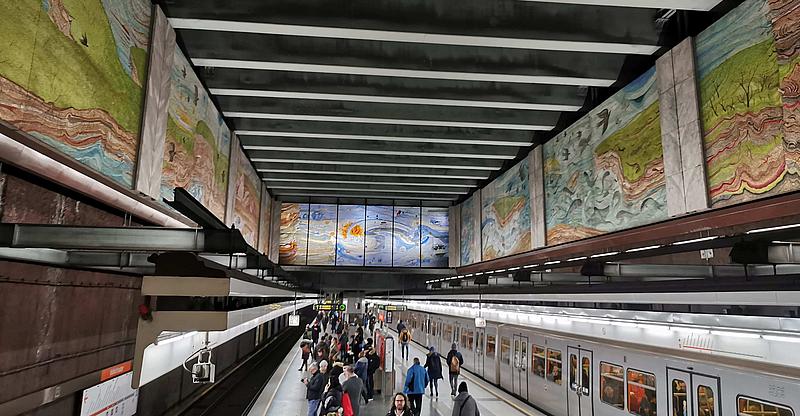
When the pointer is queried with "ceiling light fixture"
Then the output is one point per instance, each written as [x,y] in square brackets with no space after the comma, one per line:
[402,139]
[695,240]
[633,250]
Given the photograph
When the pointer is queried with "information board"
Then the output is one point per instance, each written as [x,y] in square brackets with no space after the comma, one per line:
[112,397]
[294,320]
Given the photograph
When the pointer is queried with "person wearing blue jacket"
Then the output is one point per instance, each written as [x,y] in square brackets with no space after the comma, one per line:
[414,387]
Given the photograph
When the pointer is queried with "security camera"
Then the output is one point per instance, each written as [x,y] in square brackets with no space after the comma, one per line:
[203,370]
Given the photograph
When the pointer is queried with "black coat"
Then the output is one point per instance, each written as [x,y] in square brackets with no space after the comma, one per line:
[315,386]
[374,363]
[434,365]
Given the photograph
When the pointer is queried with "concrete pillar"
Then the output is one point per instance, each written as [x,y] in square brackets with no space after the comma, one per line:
[536,187]
[154,124]
[681,135]
[454,238]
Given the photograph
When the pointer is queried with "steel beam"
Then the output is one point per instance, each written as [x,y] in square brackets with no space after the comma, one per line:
[345,159]
[322,177]
[411,191]
[461,134]
[499,18]
[364,194]
[377,148]
[146,239]
[381,172]
[426,113]
[371,86]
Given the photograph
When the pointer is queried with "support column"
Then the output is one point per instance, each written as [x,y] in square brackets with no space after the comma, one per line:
[454,239]
[536,183]
[681,135]
[156,111]
[275,232]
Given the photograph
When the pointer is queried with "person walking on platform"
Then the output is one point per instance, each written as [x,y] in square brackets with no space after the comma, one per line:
[405,339]
[355,389]
[454,362]
[324,321]
[434,365]
[400,326]
[400,406]
[464,404]
[314,386]
[305,353]
[315,332]
[416,381]
[374,363]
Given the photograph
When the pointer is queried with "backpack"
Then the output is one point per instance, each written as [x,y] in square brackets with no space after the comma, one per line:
[455,364]
[347,405]
[404,336]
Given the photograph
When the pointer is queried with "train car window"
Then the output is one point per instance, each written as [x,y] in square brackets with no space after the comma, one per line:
[490,345]
[586,376]
[505,350]
[479,342]
[749,406]
[554,366]
[448,333]
[470,339]
[679,397]
[464,339]
[705,401]
[641,393]
[612,385]
[573,370]
[538,361]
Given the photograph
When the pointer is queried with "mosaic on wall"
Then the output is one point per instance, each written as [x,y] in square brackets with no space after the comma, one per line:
[198,143]
[293,244]
[606,172]
[246,197]
[378,239]
[506,214]
[72,75]
[469,239]
[350,241]
[264,223]
[322,235]
[406,248]
[750,129]
[434,237]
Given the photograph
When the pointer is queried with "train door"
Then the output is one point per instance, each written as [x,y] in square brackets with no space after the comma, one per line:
[519,376]
[478,356]
[693,394]
[504,364]
[579,382]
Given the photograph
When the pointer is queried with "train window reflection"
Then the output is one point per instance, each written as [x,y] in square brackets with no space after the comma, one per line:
[505,350]
[754,407]
[679,397]
[612,390]
[470,338]
[538,361]
[586,376]
[573,370]
[705,401]
[490,345]
[641,393]
[554,365]
[479,342]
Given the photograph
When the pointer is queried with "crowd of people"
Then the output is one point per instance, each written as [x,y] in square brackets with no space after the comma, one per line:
[342,366]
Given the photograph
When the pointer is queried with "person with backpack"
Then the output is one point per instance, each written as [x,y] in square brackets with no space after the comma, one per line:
[332,401]
[464,404]
[434,365]
[405,338]
[354,390]
[454,362]
[414,387]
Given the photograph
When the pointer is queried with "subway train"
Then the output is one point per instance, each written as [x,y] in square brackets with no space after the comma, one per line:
[582,374]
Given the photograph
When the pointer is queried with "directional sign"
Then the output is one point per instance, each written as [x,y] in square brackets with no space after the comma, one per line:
[330,307]
[396,307]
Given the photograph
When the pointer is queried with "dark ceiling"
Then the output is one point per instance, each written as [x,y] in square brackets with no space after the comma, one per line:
[420,100]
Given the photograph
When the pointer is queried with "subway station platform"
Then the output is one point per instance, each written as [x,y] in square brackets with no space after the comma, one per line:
[284,394]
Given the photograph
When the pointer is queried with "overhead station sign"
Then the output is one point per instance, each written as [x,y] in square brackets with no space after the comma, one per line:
[393,308]
[341,307]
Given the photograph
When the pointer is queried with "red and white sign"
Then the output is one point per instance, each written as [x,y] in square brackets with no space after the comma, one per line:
[116,370]
[112,397]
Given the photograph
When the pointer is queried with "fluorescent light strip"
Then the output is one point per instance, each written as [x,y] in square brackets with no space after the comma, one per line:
[403,191]
[695,240]
[402,73]
[633,250]
[548,263]
[530,266]
[577,258]
[513,269]
[377,196]
[699,5]
[399,175]
[400,165]
[392,100]
[611,253]
[445,185]
[412,37]
[776,228]
[376,152]
[378,138]
[397,121]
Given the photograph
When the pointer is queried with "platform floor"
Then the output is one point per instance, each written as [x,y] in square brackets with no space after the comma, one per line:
[284,394]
